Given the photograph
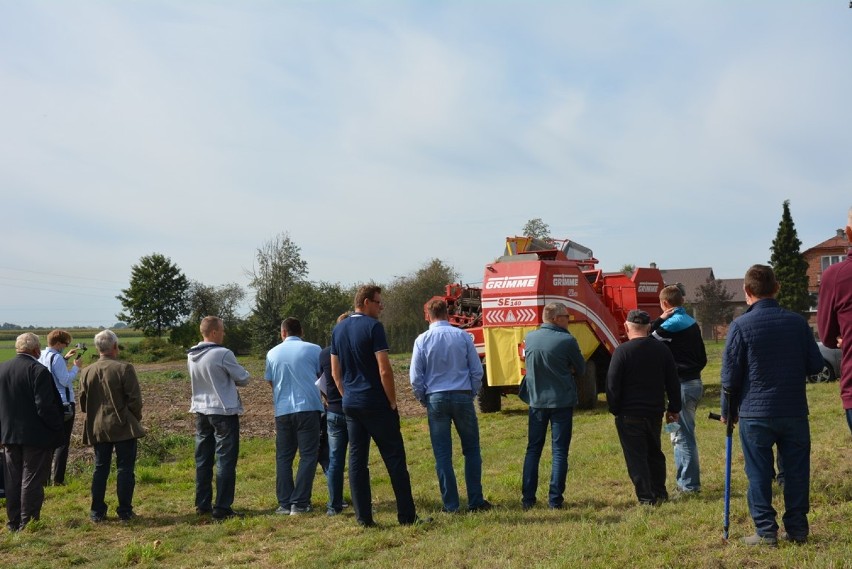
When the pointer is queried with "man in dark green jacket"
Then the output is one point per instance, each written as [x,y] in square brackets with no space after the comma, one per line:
[552,359]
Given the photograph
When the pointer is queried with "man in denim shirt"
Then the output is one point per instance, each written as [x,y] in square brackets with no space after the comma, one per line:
[553,358]
[446,374]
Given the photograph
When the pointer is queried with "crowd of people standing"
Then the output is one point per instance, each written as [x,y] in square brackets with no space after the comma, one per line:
[343,396]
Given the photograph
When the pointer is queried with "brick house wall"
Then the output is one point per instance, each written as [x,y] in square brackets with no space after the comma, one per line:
[834,246]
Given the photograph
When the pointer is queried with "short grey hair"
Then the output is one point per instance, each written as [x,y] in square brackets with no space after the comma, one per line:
[26,343]
[552,310]
[105,340]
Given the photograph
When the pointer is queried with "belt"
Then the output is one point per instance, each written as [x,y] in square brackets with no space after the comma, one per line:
[454,392]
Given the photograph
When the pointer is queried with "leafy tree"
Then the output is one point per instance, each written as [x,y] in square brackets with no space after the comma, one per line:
[628,269]
[222,301]
[404,298]
[790,266]
[713,304]
[317,307]
[279,266]
[536,228]
[205,300]
[156,299]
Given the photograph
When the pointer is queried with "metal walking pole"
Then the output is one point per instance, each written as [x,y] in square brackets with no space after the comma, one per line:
[729,435]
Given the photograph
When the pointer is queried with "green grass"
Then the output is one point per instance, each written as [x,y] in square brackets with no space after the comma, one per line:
[126,336]
[601,527]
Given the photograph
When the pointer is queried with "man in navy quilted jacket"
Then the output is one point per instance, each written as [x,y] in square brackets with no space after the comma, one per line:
[768,353]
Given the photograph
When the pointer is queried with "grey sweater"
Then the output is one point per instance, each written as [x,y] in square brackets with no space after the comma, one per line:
[215,375]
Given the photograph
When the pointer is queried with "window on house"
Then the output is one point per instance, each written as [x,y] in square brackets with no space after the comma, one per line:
[829,260]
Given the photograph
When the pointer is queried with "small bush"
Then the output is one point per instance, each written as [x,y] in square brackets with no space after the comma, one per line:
[153,350]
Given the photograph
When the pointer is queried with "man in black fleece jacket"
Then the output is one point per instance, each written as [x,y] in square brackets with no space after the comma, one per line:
[641,375]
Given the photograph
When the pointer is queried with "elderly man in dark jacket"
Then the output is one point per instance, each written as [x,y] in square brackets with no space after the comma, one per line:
[641,377]
[768,353]
[31,424]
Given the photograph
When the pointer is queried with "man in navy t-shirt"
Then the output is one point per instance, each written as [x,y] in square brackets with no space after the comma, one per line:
[363,375]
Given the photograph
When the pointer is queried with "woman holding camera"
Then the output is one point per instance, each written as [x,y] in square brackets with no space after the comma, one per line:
[63,377]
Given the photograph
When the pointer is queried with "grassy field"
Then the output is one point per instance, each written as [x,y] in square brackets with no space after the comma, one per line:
[85,336]
[602,525]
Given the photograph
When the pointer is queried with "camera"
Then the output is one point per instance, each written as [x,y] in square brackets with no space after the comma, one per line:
[81,349]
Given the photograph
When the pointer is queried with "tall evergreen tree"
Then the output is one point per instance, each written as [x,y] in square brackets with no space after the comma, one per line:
[790,266]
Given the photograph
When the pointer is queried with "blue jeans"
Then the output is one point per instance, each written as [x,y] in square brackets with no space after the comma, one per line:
[125,465]
[296,431]
[445,409]
[382,426]
[643,455]
[793,438]
[849,418]
[338,439]
[561,425]
[216,436]
[687,472]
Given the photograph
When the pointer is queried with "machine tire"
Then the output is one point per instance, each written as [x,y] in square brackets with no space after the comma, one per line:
[587,387]
[827,374]
[489,398]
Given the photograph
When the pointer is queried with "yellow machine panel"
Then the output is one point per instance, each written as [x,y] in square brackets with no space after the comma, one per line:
[503,347]
[502,359]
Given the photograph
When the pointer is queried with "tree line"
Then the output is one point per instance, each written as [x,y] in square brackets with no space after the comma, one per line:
[162,302]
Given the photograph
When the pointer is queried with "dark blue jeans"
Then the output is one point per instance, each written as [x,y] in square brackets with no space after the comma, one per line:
[561,422]
[338,439]
[125,466]
[444,410]
[793,437]
[849,418]
[646,463]
[296,431]
[217,439]
[382,426]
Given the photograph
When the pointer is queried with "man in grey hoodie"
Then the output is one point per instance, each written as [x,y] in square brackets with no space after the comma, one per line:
[215,376]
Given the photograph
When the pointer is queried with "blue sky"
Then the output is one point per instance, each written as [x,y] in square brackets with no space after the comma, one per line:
[383,134]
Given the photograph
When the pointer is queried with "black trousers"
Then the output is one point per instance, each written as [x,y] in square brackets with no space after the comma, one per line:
[382,426]
[646,463]
[60,455]
[26,469]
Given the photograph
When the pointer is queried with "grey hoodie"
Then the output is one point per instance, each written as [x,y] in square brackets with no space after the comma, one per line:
[215,375]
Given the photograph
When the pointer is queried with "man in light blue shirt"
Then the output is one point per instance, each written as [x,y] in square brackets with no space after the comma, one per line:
[292,367]
[446,375]
[63,378]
